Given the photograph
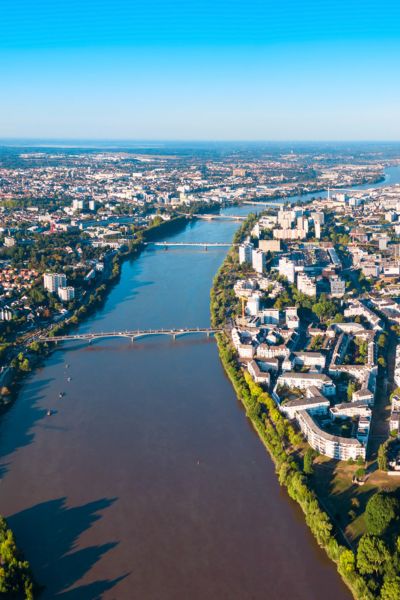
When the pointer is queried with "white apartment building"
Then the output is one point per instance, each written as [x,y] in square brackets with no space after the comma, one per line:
[338,287]
[292,318]
[258,260]
[315,360]
[9,242]
[66,293]
[270,316]
[267,351]
[302,224]
[253,305]
[257,374]
[289,234]
[53,281]
[306,285]
[78,204]
[314,405]
[334,446]
[303,381]
[286,267]
[6,314]
[245,253]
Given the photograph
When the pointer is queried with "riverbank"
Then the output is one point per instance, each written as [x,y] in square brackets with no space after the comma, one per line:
[36,353]
[285,446]
[16,580]
[308,195]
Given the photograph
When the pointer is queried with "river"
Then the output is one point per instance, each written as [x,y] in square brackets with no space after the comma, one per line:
[148,482]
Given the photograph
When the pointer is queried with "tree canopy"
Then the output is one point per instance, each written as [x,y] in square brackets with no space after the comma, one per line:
[380,511]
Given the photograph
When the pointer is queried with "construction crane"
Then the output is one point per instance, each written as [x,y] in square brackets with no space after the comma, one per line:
[243,299]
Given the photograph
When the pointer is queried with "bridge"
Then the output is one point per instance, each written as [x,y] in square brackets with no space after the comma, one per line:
[212,217]
[191,244]
[278,202]
[132,335]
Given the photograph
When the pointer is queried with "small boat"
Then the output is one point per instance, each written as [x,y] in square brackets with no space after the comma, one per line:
[67,366]
[61,394]
[69,379]
[49,413]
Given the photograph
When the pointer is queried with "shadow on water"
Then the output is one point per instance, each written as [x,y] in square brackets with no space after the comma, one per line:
[49,533]
[22,434]
[91,591]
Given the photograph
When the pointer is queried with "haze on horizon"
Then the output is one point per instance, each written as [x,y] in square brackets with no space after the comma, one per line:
[200,70]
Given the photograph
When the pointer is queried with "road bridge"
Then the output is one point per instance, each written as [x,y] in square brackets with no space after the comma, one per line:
[211,217]
[191,244]
[264,203]
[132,335]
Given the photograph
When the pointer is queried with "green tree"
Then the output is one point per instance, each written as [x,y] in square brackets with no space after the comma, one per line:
[391,588]
[382,362]
[308,461]
[382,457]
[24,365]
[347,562]
[382,340]
[350,390]
[381,509]
[372,554]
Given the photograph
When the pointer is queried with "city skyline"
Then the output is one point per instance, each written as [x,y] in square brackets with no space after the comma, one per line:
[200,71]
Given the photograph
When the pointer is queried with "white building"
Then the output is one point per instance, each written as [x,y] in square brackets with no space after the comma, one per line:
[257,374]
[306,285]
[270,316]
[330,445]
[9,242]
[315,360]
[303,381]
[53,281]
[78,204]
[258,260]
[245,253]
[292,318]
[66,293]
[314,405]
[253,305]
[6,314]
[286,268]
[289,234]
[338,287]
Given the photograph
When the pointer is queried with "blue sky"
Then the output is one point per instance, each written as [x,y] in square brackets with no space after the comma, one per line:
[135,69]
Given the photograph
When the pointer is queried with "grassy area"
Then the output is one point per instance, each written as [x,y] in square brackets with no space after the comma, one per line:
[344,500]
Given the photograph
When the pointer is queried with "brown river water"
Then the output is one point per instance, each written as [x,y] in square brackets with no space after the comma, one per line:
[148,482]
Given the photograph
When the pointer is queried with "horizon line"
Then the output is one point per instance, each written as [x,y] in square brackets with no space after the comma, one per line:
[196,140]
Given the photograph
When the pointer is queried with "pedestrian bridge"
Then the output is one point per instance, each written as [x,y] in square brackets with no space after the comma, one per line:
[132,335]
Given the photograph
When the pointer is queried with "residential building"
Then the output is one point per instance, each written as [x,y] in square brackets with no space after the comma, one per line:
[306,285]
[270,245]
[337,447]
[53,281]
[258,260]
[245,253]
[66,293]
[338,287]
